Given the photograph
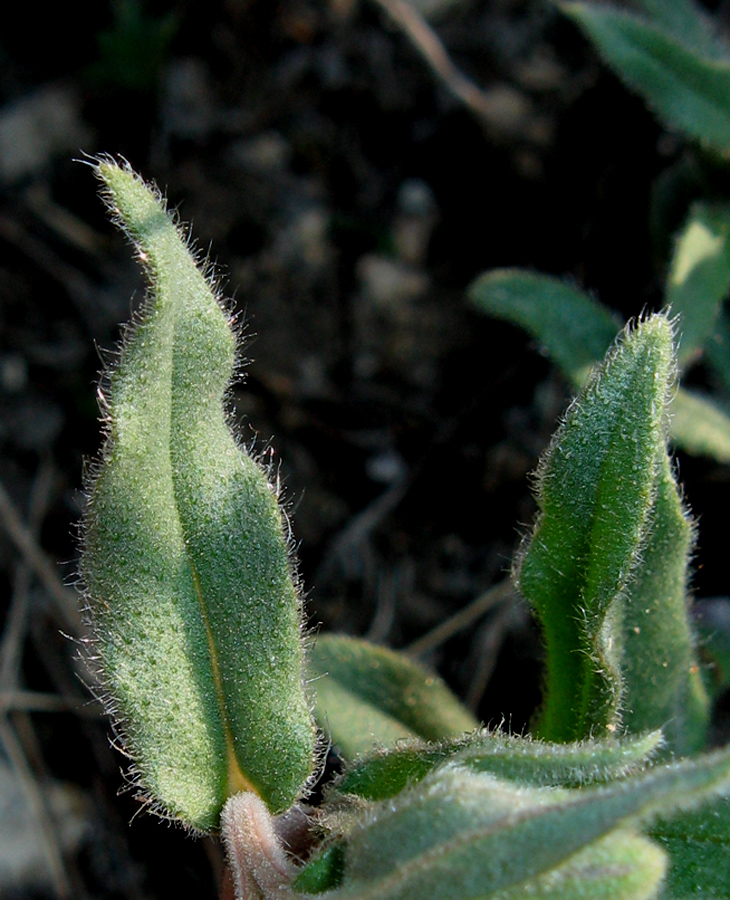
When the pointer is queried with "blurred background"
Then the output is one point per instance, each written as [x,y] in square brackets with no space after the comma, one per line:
[349,190]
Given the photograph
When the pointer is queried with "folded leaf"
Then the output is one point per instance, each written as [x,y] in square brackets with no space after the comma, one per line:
[368,695]
[662,683]
[688,91]
[596,488]
[195,615]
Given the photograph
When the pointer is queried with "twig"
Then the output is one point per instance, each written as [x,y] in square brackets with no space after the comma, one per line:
[427,43]
[80,288]
[348,543]
[11,697]
[495,630]
[39,808]
[38,561]
[462,619]
[17,618]
[387,595]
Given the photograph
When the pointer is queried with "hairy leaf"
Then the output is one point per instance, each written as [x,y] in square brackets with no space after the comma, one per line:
[385,773]
[192,604]
[662,683]
[623,865]
[596,489]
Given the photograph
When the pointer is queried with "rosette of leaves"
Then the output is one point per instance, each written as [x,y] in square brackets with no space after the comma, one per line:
[197,625]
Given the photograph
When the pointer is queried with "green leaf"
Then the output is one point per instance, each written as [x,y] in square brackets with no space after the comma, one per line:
[621,866]
[195,615]
[385,773]
[700,426]
[596,489]
[698,844]
[323,872]
[368,695]
[575,330]
[688,91]
[699,277]
[542,764]
[684,20]
[460,834]
[662,683]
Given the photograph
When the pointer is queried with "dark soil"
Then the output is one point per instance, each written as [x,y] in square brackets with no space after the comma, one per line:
[348,200]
